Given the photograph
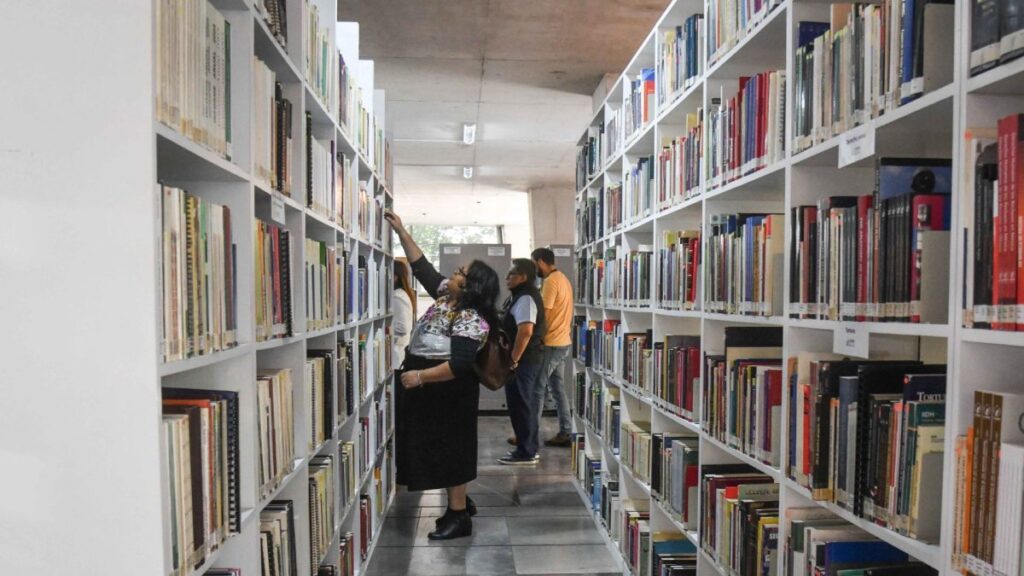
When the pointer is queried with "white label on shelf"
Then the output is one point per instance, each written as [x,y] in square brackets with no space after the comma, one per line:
[453,249]
[561,252]
[277,209]
[857,144]
[850,339]
[495,250]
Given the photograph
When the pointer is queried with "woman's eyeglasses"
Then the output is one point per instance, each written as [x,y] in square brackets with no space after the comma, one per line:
[461,271]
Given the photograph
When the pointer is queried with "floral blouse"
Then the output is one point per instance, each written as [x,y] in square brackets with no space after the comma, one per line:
[431,337]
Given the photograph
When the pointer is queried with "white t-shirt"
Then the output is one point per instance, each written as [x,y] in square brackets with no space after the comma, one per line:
[524,310]
[401,325]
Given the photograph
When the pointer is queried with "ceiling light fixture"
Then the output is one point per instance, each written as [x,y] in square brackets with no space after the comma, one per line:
[468,134]
[467,172]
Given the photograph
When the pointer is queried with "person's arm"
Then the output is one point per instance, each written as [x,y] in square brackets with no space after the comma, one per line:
[463,357]
[412,250]
[549,294]
[523,335]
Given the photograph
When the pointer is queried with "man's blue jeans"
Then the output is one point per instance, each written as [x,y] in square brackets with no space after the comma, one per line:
[552,367]
[518,396]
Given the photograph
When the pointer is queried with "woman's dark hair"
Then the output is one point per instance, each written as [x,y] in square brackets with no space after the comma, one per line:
[480,292]
[403,282]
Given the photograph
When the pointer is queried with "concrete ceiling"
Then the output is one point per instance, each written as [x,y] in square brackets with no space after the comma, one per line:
[522,70]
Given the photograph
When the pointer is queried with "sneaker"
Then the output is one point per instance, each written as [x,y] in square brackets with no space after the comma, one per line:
[513,460]
[561,440]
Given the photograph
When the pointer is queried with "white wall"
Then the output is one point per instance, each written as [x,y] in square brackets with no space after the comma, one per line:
[552,216]
[80,408]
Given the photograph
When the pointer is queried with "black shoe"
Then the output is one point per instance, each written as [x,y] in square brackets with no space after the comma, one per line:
[456,525]
[470,507]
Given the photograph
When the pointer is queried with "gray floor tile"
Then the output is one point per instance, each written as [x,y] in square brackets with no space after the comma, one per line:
[530,519]
[449,561]
[487,531]
[556,499]
[563,559]
[553,531]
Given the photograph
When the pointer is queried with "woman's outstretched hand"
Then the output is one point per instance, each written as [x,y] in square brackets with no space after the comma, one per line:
[411,379]
[395,221]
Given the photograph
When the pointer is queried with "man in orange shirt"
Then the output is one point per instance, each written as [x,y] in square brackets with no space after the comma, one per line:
[557,296]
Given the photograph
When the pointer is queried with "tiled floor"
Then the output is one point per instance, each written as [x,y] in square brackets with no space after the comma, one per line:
[531,521]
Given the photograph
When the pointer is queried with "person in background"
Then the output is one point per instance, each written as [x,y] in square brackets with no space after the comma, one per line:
[404,307]
[557,295]
[523,320]
[436,403]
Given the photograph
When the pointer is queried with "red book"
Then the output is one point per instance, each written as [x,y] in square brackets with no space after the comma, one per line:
[806,457]
[864,204]
[1017,191]
[1004,257]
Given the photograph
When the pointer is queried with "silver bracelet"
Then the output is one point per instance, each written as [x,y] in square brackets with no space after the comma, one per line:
[419,378]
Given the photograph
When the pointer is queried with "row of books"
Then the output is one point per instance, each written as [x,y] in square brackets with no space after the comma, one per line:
[989,473]
[635,448]
[611,133]
[994,275]
[199,270]
[628,276]
[331,178]
[997,34]
[676,374]
[746,132]
[319,390]
[882,256]
[590,219]
[589,159]
[674,467]
[273,150]
[816,542]
[596,341]
[681,59]
[639,103]
[321,506]
[738,521]
[323,270]
[275,14]
[277,539]
[742,393]
[743,264]
[348,474]
[679,163]
[679,262]
[275,425]
[201,449]
[730,21]
[273,248]
[321,59]
[866,61]
[869,436]
[193,77]
[637,192]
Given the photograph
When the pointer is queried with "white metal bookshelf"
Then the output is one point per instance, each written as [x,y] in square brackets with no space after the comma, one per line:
[113,224]
[930,126]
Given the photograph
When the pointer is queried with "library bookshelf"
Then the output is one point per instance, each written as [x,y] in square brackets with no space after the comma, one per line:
[113,228]
[930,126]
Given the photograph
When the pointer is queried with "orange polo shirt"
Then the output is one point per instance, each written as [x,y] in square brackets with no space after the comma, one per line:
[557,295]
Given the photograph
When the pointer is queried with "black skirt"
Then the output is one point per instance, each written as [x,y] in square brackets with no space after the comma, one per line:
[435,430]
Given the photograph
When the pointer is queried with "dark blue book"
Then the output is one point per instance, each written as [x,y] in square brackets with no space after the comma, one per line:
[807,32]
[842,555]
[924,388]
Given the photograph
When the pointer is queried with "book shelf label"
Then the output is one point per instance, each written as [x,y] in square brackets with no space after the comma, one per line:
[561,252]
[857,144]
[277,209]
[495,250]
[850,340]
[453,250]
